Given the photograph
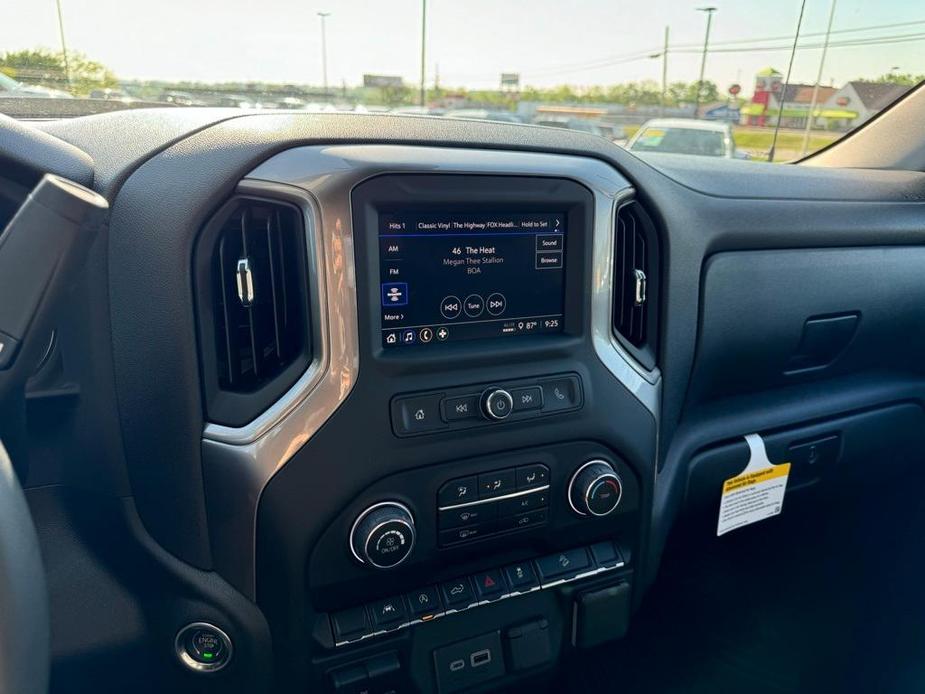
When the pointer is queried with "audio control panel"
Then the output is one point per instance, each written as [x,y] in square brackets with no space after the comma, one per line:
[488,404]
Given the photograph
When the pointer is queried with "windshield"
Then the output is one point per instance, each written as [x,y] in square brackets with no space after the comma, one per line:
[599,67]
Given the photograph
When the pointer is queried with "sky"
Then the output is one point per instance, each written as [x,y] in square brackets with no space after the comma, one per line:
[469,42]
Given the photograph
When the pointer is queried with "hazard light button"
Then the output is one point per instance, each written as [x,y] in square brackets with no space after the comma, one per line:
[489,584]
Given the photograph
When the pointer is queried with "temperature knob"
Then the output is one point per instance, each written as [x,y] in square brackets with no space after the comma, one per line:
[383,535]
[595,489]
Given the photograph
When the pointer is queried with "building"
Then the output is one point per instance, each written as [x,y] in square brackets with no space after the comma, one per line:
[863,100]
[797,100]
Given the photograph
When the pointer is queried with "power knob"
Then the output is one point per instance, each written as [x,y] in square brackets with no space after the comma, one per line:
[383,535]
[595,489]
[497,403]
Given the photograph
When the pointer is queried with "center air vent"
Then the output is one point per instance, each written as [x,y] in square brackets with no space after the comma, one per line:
[635,304]
[254,307]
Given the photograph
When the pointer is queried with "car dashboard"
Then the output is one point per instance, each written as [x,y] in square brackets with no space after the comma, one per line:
[397,404]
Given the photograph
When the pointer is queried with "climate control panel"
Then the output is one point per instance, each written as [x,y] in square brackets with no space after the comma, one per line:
[436,522]
[492,503]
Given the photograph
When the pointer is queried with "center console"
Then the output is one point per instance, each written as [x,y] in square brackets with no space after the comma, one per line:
[469,495]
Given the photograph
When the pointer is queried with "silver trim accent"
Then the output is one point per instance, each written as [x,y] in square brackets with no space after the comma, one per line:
[244,280]
[640,294]
[364,514]
[492,499]
[512,594]
[187,659]
[239,462]
[498,393]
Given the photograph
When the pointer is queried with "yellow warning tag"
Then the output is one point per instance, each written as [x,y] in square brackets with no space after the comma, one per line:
[755,493]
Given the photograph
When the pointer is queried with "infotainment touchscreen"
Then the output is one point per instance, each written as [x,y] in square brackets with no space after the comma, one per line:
[448,276]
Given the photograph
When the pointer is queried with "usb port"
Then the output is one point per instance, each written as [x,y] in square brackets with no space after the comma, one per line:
[480,658]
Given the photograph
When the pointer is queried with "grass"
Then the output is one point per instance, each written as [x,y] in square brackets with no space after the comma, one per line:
[761,139]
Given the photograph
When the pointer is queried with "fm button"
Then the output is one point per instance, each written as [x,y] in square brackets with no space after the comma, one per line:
[497,403]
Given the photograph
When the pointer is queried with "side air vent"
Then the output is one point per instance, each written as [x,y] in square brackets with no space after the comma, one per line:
[254,310]
[635,301]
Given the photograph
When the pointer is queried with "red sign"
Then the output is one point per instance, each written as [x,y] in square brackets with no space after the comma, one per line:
[734,89]
[843,101]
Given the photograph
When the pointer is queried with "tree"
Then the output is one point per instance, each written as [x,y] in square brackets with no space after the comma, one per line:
[906,78]
[44,67]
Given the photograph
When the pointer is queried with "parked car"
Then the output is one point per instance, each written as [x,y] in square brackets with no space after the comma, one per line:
[608,131]
[11,88]
[686,136]
[484,114]
[179,98]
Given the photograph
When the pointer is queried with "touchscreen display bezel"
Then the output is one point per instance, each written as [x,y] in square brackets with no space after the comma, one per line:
[387,193]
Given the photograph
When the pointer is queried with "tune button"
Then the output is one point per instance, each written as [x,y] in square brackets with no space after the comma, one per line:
[497,403]
[474,305]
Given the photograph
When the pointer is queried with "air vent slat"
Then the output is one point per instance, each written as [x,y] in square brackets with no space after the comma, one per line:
[635,274]
[224,321]
[258,273]
[277,300]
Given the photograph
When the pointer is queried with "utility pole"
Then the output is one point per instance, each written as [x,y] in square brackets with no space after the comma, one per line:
[324,51]
[67,65]
[783,91]
[665,74]
[812,105]
[703,60]
[423,50]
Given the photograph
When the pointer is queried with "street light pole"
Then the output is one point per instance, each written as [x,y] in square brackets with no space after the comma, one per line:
[423,50]
[812,105]
[324,51]
[703,60]
[665,73]
[67,65]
